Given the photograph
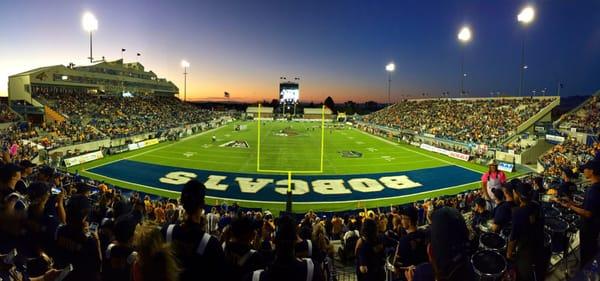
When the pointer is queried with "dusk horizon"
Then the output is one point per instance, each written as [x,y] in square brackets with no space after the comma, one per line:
[338,48]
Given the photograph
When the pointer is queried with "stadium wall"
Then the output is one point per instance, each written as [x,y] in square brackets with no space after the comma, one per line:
[19,88]
[531,155]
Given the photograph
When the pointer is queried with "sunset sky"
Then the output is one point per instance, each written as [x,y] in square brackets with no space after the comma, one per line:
[338,48]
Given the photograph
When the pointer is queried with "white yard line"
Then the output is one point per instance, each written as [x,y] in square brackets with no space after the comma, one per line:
[417,152]
[155,149]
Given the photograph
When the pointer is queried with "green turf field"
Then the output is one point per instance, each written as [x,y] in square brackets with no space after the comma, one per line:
[288,146]
[299,152]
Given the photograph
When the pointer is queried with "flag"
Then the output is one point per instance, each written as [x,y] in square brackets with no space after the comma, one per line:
[226,94]
[122,50]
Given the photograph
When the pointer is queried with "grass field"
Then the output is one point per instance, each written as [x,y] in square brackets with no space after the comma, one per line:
[288,146]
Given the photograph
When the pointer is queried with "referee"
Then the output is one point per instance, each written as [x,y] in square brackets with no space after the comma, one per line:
[589,212]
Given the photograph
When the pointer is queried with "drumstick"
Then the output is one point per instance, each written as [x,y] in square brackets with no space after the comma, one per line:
[396,252]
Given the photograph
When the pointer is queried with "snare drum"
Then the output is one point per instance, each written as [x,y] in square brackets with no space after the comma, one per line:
[557,228]
[488,265]
[550,211]
[574,221]
[492,241]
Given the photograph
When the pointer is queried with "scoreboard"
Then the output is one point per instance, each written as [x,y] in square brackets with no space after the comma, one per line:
[289,93]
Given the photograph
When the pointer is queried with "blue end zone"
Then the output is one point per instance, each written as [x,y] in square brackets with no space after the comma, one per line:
[307,188]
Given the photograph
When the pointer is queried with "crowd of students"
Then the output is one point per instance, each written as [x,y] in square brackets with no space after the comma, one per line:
[568,156]
[469,121]
[587,118]
[117,116]
[7,115]
[93,117]
[53,220]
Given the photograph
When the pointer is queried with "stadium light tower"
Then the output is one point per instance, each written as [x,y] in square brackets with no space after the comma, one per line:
[390,67]
[90,24]
[464,36]
[525,17]
[185,66]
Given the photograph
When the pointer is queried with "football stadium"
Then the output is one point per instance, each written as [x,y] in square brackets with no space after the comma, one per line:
[117,165]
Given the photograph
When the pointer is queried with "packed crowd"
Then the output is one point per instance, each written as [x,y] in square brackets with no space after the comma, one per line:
[116,116]
[93,117]
[587,118]
[470,121]
[7,115]
[14,145]
[52,220]
[568,155]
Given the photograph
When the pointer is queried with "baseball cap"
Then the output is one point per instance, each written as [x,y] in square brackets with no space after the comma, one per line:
[27,164]
[524,190]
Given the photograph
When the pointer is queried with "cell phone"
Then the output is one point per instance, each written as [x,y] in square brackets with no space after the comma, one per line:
[64,273]
[93,227]
[56,190]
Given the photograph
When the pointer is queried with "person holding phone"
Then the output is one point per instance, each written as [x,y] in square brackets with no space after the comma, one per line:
[76,245]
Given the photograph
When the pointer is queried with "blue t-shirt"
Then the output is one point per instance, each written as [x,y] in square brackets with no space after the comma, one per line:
[503,214]
[591,203]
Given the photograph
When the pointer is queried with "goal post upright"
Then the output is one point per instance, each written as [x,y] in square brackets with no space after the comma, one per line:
[288,203]
[258,142]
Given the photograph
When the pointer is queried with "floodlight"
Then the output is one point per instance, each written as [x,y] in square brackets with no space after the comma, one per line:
[390,67]
[527,15]
[89,22]
[465,34]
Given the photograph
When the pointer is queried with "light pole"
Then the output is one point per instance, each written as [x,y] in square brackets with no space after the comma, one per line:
[526,16]
[185,66]
[90,24]
[390,67]
[464,36]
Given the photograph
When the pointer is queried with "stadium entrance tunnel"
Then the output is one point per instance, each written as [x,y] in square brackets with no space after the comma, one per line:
[271,188]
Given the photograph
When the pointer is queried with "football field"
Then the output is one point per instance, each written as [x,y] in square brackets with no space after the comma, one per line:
[330,168]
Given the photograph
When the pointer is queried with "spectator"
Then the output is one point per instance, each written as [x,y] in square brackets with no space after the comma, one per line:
[412,247]
[199,253]
[76,245]
[155,261]
[286,266]
[240,257]
[493,178]
[370,254]
[120,255]
[26,171]
[525,246]
[40,225]
[502,212]
[447,251]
